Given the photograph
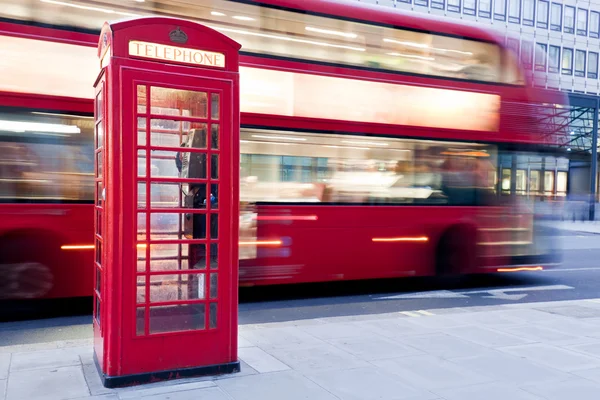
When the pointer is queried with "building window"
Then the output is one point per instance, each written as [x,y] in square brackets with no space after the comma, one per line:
[540,57]
[527,54]
[542,16]
[500,10]
[454,6]
[513,44]
[405,1]
[528,12]
[556,17]
[582,21]
[567,61]
[470,7]
[592,65]
[422,3]
[569,22]
[485,8]
[594,24]
[514,11]
[580,63]
[437,4]
[554,59]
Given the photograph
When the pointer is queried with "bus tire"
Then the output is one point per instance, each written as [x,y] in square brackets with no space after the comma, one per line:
[455,252]
[24,269]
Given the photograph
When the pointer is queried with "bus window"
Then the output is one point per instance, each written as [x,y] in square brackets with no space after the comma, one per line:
[45,157]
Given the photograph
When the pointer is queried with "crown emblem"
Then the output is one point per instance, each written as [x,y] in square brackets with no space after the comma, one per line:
[178,36]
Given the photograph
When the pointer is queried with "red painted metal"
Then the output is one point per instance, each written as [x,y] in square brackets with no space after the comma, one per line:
[137,338]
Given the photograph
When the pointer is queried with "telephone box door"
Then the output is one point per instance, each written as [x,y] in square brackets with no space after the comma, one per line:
[186,275]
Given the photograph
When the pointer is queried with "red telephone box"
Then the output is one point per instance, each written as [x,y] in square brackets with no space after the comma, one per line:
[166,213]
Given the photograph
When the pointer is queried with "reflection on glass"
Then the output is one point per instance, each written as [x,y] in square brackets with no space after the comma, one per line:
[100,135]
[214,283]
[214,106]
[534,182]
[561,183]
[214,256]
[99,105]
[169,257]
[141,227]
[169,133]
[99,280]
[141,162]
[177,287]
[141,194]
[141,131]
[166,226]
[141,99]
[98,222]
[180,317]
[165,195]
[99,193]
[214,136]
[184,164]
[214,166]
[99,252]
[141,257]
[214,196]
[212,316]
[214,226]
[141,289]
[140,317]
[174,102]
[548,182]
[521,181]
[198,256]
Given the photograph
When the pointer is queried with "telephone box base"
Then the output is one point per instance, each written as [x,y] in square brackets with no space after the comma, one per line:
[111,382]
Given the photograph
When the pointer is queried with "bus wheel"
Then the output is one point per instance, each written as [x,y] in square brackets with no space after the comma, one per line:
[455,254]
[23,271]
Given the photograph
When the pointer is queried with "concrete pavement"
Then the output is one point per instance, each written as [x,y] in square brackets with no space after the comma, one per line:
[521,351]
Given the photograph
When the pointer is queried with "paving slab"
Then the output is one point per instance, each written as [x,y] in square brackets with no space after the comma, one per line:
[394,327]
[576,389]
[288,385]
[3,383]
[212,393]
[322,357]
[592,374]
[492,391]
[260,360]
[4,365]
[287,337]
[337,330]
[47,384]
[554,357]
[175,390]
[374,348]
[543,334]
[368,384]
[45,359]
[442,345]
[486,337]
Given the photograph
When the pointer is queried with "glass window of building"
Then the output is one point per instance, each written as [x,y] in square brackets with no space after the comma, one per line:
[556,17]
[592,65]
[580,63]
[582,21]
[528,12]
[470,7]
[540,57]
[422,3]
[438,4]
[454,6]
[569,22]
[595,24]
[554,59]
[567,61]
[542,14]
[514,11]
[527,54]
[485,8]
[500,10]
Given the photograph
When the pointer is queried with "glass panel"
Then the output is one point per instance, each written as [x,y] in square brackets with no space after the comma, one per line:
[534,182]
[180,317]
[98,311]
[140,317]
[214,136]
[141,257]
[99,164]
[99,193]
[214,256]
[166,195]
[99,222]
[174,102]
[561,183]
[99,280]
[141,194]
[212,323]
[168,133]
[214,289]
[141,132]
[198,256]
[166,226]
[177,287]
[169,257]
[141,289]
[141,162]
[214,166]
[99,106]
[549,182]
[506,180]
[141,99]
[214,106]
[170,164]
[521,181]
[214,226]
[214,196]
[98,252]
[141,227]
[100,135]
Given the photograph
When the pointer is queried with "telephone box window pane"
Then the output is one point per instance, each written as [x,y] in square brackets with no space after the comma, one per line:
[185,164]
[214,196]
[100,134]
[214,256]
[99,252]
[99,190]
[174,102]
[214,166]
[99,164]
[214,226]
[166,226]
[194,196]
[141,99]
[167,133]
[214,136]
[169,257]
[141,227]
[214,283]
[212,323]
[98,280]
[214,106]
[166,195]
[194,226]
[180,317]
[198,256]
[177,287]
[140,319]
[99,106]
[549,182]
[141,290]
[141,162]
[141,130]
[141,257]
[99,222]
[98,311]
[141,194]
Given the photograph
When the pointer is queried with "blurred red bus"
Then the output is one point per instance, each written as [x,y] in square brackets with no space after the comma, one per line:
[374,144]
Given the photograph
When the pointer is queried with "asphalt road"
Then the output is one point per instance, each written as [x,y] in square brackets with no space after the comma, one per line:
[577,278]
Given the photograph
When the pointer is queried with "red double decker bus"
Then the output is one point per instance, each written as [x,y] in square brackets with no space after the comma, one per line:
[374,144]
